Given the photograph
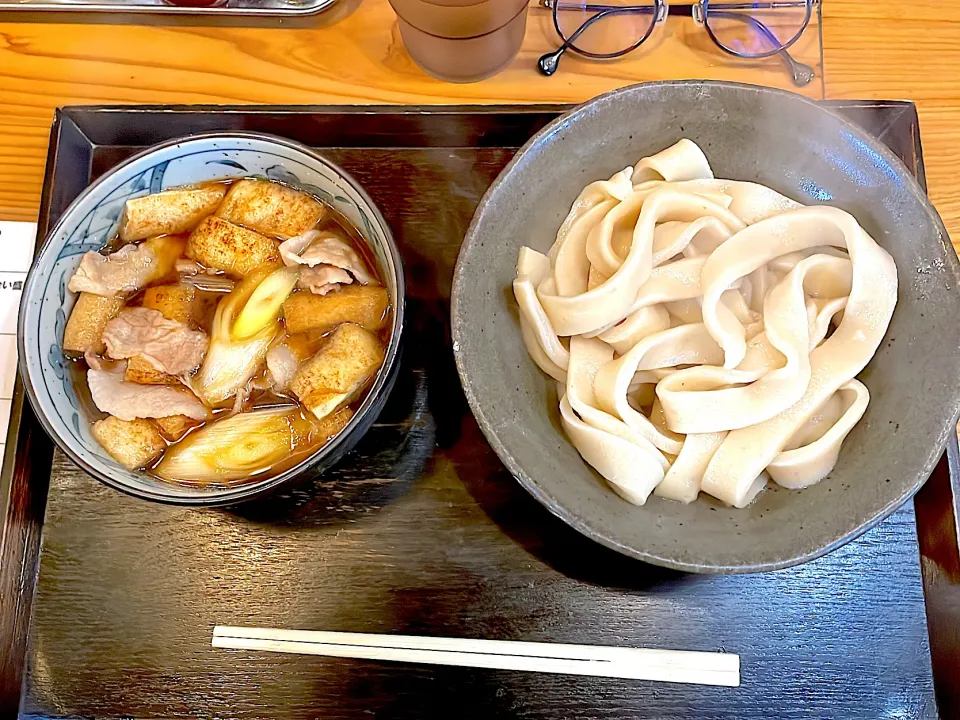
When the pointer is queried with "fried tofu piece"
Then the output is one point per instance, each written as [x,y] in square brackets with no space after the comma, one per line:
[335,422]
[175,427]
[140,371]
[170,212]
[222,245]
[364,305]
[132,443]
[178,302]
[167,249]
[90,315]
[271,208]
[340,371]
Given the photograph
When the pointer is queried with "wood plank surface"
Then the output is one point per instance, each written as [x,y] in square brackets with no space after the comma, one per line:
[909,51]
[353,54]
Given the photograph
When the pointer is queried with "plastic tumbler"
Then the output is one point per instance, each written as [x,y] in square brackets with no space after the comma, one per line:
[461,40]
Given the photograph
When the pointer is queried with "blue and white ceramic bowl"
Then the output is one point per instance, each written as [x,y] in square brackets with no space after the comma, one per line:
[92,219]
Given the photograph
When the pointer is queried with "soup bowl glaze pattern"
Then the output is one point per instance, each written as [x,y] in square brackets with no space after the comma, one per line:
[92,220]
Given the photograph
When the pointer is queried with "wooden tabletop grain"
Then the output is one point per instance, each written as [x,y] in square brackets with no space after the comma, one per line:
[871,49]
[353,55]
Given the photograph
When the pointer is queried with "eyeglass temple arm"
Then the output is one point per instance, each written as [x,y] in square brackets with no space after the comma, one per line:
[548,63]
[800,72]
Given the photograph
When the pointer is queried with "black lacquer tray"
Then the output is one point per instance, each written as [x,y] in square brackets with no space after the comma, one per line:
[421,530]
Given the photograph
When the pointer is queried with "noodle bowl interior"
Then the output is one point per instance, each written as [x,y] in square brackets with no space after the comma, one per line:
[227,332]
[705,334]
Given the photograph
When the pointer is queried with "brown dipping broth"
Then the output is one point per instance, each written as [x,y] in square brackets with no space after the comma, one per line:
[333,221]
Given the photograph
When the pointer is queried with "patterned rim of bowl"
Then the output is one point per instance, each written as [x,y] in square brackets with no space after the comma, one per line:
[149,179]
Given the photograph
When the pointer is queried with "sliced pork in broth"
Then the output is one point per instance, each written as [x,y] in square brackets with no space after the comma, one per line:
[227,333]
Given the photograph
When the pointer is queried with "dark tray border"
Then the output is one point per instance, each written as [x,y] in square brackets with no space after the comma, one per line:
[23,491]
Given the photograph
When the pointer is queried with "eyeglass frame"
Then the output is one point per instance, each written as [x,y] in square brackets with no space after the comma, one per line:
[699,10]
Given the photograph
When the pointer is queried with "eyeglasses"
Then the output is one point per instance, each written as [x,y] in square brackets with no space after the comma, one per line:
[744,29]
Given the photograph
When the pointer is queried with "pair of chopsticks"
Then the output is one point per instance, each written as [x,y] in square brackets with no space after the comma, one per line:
[704,668]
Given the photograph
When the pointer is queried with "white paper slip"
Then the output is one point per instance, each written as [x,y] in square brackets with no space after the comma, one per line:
[8,360]
[17,241]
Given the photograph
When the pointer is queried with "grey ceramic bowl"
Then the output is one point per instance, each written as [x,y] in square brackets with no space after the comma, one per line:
[748,133]
[92,219]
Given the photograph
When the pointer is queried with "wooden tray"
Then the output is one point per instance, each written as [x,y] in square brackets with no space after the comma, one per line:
[421,530]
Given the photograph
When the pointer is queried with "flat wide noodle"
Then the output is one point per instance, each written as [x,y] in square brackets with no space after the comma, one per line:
[625,458]
[715,329]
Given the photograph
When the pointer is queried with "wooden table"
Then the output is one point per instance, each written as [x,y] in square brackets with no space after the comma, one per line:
[871,49]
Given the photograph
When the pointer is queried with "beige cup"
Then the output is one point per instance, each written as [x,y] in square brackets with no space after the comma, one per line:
[462,40]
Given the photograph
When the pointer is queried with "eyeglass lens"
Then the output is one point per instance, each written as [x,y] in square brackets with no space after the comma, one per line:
[605,28]
[756,29]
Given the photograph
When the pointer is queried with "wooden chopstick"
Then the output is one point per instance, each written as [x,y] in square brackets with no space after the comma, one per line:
[703,668]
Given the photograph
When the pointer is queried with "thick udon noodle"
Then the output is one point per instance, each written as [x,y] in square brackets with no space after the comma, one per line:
[705,334]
